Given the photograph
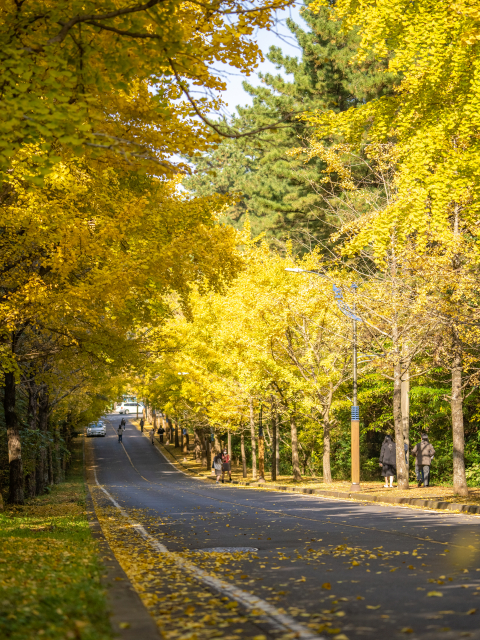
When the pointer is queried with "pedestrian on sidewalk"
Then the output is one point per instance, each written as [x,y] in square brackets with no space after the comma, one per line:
[120,430]
[226,466]
[217,465]
[142,423]
[388,460]
[423,452]
[160,432]
[123,423]
[152,433]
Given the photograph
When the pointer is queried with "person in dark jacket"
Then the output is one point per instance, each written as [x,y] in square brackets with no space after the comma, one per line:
[388,460]
[142,424]
[423,452]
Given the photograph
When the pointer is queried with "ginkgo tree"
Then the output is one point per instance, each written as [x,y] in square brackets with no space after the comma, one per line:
[88,258]
[430,121]
[105,77]
[269,340]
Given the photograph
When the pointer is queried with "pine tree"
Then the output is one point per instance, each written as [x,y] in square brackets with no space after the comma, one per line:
[275,189]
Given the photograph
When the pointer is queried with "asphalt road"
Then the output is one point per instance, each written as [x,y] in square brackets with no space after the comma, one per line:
[377,571]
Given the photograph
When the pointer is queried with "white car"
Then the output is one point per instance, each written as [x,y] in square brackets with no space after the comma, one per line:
[96,429]
[130,407]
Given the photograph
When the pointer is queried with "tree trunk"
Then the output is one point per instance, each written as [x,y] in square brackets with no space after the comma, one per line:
[406,415]
[229,443]
[277,452]
[50,465]
[204,449]
[217,443]
[274,445]
[184,440]
[197,439]
[261,459]
[297,476]
[177,443]
[254,445]
[30,481]
[327,471]
[57,471]
[209,453]
[42,469]
[459,480]
[15,491]
[402,475]
[244,458]
[327,428]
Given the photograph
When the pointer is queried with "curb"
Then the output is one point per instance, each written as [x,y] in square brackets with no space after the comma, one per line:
[364,497]
[129,618]
[360,497]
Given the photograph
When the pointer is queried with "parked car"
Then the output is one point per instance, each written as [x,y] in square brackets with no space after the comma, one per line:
[130,407]
[96,429]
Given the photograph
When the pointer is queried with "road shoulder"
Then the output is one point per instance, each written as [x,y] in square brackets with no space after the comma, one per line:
[129,618]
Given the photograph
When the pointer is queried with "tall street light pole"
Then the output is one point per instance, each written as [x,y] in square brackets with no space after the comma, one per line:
[355,410]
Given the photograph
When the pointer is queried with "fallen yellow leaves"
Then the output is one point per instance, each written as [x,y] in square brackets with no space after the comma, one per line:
[435,594]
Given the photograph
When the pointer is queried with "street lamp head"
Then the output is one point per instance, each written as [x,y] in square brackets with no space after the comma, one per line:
[317,273]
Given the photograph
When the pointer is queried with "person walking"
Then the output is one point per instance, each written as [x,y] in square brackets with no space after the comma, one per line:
[226,466]
[142,423]
[423,452]
[388,460]
[217,465]
[123,423]
[160,432]
[152,433]
[120,430]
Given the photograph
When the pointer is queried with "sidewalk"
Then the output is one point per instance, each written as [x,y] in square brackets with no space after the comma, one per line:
[434,497]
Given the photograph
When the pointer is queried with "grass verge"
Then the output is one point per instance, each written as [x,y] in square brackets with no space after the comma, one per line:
[49,568]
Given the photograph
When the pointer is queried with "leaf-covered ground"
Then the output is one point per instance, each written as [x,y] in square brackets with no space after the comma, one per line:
[183,608]
[49,570]
[180,605]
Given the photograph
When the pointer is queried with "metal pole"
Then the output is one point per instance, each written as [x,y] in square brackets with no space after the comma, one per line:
[355,420]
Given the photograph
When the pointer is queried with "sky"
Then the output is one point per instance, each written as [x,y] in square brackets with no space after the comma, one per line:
[281,37]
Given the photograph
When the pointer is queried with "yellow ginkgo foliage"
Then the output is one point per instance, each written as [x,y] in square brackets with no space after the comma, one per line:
[88,260]
[271,340]
[431,114]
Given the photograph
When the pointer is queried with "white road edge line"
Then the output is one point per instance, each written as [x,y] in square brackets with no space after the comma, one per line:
[275,618]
